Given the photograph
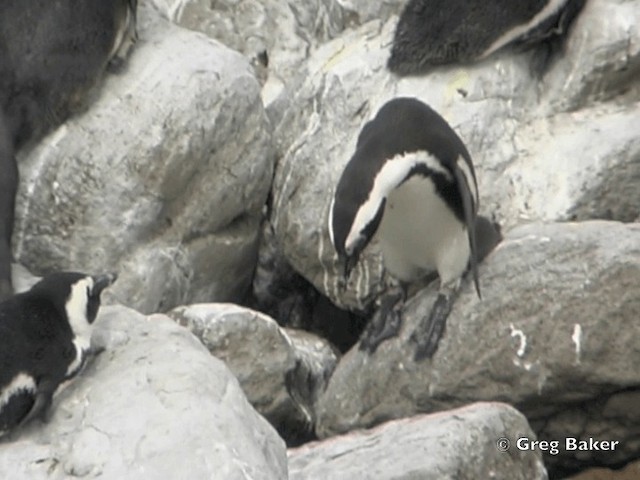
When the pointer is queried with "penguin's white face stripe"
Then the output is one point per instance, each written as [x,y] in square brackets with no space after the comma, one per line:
[550,8]
[394,171]
[468,175]
[21,382]
[76,307]
[81,344]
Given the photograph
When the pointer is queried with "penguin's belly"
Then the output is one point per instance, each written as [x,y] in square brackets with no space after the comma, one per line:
[419,233]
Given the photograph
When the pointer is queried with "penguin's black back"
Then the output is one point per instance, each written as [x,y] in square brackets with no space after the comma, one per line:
[35,338]
[404,125]
[51,53]
[437,32]
[35,334]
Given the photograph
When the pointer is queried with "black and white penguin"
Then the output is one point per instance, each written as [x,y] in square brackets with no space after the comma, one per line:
[437,32]
[51,55]
[411,182]
[45,337]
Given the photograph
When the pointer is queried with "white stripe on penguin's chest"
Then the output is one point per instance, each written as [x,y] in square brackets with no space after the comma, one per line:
[76,308]
[81,345]
[418,232]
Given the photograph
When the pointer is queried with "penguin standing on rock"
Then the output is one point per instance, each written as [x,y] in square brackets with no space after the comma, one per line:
[45,337]
[411,182]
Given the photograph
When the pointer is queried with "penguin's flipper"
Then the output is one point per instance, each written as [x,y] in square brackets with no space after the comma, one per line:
[470,221]
[41,405]
[8,188]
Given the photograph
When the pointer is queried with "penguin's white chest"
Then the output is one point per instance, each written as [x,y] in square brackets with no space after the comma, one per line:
[419,233]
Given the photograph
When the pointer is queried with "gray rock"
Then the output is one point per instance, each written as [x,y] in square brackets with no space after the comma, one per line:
[363,11]
[316,360]
[610,417]
[153,404]
[285,30]
[163,178]
[261,354]
[608,29]
[629,472]
[545,337]
[458,444]
[578,122]
[22,278]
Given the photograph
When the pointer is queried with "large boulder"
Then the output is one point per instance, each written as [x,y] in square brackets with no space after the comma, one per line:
[276,35]
[267,360]
[153,404]
[164,178]
[477,441]
[554,335]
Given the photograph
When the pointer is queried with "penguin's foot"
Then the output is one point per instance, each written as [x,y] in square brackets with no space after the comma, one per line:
[430,330]
[385,323]
[40,408]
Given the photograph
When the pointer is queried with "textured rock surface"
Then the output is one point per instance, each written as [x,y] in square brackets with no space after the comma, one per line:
[260,354]
[163,178]
[153,404]
[362,11]
[548,148]
[458,444]
[546,337]
[285,30]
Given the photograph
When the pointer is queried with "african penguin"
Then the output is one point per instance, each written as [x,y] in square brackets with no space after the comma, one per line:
[411,182]
[52,53]
[44,341]
[437,32]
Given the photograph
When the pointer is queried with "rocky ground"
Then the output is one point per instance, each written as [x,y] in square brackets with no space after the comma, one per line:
[203,173]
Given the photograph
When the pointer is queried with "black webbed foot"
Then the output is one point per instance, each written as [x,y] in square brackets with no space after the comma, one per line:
[430,330]
[386,322]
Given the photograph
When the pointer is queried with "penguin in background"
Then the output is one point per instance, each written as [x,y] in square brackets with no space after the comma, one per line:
[439,32]
[52,53]
[45,336]
[412,184]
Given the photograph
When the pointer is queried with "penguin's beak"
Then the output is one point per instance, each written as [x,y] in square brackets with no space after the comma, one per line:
[100,282]
[347,263]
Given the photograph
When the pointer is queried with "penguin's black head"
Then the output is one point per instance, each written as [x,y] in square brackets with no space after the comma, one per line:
[353,220]
[76,296]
